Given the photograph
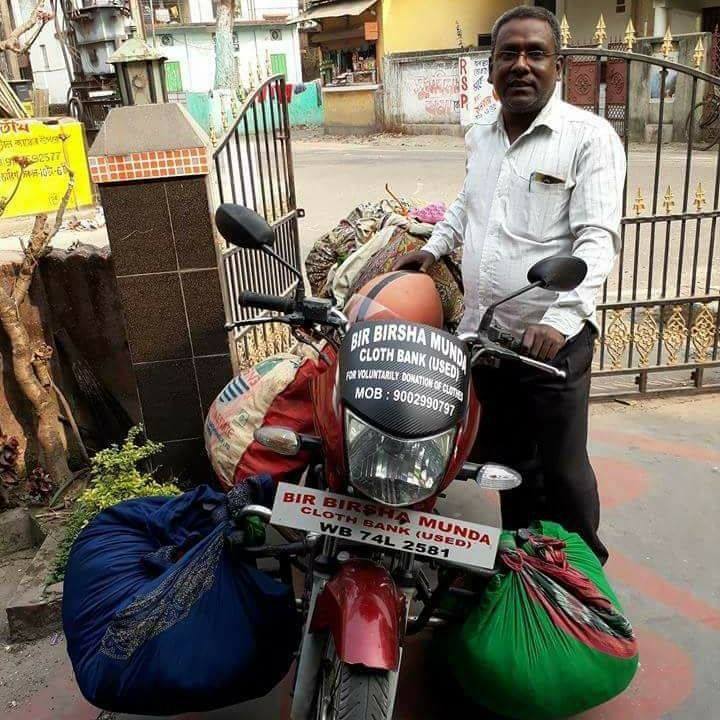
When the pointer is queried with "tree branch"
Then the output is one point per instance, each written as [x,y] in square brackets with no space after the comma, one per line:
[39,245]
[37,21]
[4,202]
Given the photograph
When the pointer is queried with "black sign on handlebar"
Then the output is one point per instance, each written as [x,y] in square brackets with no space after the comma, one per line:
[408,380]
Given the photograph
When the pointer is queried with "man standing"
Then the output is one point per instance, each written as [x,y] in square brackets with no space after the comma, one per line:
[542,179]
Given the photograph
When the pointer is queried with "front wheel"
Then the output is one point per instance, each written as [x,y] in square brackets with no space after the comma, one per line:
[351,692]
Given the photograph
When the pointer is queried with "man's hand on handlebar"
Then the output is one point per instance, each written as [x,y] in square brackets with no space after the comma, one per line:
[542,342]
[421,260]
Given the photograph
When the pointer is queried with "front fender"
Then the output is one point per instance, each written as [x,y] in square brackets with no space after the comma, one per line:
[363,609]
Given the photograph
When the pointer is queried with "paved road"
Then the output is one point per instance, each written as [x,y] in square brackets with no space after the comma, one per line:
[659,466]
[334,177]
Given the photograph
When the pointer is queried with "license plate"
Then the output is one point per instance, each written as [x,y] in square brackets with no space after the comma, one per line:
[385,527]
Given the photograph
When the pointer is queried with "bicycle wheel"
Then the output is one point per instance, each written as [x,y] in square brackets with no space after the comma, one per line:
[704,119]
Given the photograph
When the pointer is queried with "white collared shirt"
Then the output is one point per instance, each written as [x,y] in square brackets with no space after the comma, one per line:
[511,213]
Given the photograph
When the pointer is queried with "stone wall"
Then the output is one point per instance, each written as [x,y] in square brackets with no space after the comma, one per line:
[73,305]
[644,110]
[421,93]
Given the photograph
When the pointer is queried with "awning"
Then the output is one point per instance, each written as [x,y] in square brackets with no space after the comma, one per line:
[338,9]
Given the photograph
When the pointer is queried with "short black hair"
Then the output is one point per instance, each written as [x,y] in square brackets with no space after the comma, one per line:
[525,11]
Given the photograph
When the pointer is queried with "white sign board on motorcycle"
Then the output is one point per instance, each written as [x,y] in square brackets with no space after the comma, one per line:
[388,528]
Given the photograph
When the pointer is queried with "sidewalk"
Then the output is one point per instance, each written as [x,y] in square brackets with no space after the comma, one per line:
[658,463]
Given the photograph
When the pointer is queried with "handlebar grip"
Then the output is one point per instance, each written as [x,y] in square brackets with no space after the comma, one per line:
[516,346]
[266,302]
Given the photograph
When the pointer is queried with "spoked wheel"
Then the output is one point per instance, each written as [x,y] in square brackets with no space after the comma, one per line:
[76,109]
[351,692]
[704,119]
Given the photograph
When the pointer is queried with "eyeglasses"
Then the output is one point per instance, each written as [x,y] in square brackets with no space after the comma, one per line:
[533,57]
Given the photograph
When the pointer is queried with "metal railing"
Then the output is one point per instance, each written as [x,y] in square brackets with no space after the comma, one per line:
[254,167]
[659,313]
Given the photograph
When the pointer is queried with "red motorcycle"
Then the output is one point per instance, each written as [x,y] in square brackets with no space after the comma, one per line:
[396,419]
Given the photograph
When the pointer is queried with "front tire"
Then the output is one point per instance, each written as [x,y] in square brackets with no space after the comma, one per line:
[351,692]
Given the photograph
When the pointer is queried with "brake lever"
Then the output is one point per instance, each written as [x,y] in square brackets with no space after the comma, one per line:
[550,369]
[489,347]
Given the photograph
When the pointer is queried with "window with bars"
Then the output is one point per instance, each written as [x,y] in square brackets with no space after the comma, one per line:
[620,6]
[166,12]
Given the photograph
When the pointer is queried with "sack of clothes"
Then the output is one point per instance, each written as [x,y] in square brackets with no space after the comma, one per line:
[275,391]
[445,274]
[367,243]
[162,618]
[549,639]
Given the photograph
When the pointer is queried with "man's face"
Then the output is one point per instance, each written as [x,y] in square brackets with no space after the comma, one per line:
[524,85]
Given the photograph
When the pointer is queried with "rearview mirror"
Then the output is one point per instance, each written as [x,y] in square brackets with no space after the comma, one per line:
[559,273]
[243,227]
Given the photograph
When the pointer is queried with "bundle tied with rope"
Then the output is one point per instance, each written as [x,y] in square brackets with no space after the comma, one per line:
[549,639]
[367,243]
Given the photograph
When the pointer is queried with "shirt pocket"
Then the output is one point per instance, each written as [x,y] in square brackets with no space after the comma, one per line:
[537,211]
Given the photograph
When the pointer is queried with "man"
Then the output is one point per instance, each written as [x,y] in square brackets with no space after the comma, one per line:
[542,179]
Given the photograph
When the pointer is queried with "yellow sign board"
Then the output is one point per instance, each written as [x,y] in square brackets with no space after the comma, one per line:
[41,147]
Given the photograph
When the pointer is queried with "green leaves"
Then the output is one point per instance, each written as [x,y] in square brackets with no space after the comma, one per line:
[115,477]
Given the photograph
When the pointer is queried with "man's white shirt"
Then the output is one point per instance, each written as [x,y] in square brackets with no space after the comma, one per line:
[557,190]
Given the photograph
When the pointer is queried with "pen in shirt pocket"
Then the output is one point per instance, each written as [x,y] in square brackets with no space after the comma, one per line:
[545,179]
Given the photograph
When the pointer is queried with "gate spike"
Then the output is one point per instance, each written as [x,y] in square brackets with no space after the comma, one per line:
[700,200]
[630,35]
[565,32]
[667,46]
[600,34]
[669,201]
[639,206]
[699,54]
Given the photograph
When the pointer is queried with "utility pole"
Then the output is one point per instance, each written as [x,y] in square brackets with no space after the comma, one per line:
[7,27]
[138,18]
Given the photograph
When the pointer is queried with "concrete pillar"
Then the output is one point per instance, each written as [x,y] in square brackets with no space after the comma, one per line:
[660,22]
[151,163]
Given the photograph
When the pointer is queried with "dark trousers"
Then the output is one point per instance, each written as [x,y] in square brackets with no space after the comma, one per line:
[538,425]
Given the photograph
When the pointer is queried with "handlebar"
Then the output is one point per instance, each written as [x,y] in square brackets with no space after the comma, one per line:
[482,346]
[267,302]
[495,343]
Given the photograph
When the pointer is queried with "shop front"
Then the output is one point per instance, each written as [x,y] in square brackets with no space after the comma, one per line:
[346,35]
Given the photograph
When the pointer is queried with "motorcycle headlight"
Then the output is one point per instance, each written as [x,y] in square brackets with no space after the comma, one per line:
[393,471]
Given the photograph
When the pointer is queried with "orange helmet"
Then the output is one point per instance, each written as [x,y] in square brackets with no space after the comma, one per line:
[399,295]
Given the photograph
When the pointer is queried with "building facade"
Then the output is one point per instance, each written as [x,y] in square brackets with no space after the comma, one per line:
[47,64]
[266,40]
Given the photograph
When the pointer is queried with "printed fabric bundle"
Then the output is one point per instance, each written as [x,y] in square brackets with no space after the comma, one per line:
[162,618]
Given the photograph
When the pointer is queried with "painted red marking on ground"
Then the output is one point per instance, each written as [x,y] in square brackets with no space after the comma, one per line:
[60,700]
[619,481]
[663,682]
[646,581]
[649,444]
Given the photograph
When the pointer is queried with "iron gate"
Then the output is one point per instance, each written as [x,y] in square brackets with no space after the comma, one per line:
[659,310]
[254,167]
[659,317]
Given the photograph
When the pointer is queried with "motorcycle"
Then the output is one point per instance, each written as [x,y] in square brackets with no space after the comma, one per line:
[396,419]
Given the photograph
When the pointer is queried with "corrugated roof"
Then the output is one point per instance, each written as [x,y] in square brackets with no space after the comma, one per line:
[338,9]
